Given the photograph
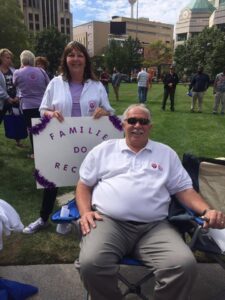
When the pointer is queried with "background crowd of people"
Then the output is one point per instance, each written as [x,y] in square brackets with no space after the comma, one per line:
[18,92]
[24,88]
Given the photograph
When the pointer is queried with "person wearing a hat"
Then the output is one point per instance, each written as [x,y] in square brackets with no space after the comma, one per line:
[170,81]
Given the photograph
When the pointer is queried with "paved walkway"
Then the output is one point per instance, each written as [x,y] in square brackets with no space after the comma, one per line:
[62,282]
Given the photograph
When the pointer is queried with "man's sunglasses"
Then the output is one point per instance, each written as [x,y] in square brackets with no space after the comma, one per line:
[141,121]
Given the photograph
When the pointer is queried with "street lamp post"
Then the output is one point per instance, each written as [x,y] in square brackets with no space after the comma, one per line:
[137,22]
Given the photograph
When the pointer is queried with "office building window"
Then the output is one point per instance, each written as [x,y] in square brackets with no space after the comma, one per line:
[182,37]
[66,6]
[37,27]
[30,17]
[36,17]
[63,29]
[31,26]
[67,31]
[62,21]
[67,21]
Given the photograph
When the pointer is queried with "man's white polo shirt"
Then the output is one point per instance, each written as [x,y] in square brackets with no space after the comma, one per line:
[133,186]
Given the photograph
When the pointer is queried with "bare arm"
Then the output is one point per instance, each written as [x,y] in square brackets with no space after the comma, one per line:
[83,198]
[194,201]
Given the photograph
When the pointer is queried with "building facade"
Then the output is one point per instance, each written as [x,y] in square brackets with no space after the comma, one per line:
[97,35]
[198,15]
[218,16]
[42,14]
[93,35]
[147,31]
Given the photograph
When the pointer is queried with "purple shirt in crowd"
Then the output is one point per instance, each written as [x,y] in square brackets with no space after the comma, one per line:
[76,90]
[32,82]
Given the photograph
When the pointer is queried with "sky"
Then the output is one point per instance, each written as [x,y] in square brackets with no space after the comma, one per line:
[165,11]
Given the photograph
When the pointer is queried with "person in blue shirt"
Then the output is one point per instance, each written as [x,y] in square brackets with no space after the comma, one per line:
[199,84]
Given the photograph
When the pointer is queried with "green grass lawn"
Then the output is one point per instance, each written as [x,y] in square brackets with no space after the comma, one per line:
[200,134]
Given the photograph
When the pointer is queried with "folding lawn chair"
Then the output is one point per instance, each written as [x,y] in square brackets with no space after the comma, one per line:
[128,287]
[208,177]
[200,170]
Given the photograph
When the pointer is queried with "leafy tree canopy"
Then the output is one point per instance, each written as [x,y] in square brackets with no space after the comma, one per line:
[158,53]
[125,56]
[50,43]
[13,32]
[205,49]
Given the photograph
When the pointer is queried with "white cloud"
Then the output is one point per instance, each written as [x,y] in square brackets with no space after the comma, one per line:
[166,11]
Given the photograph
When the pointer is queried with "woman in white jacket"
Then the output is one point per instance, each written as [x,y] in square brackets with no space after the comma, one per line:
[75,92]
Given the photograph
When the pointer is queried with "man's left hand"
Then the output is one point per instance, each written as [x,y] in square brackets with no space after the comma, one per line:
[87,221]
[214,219]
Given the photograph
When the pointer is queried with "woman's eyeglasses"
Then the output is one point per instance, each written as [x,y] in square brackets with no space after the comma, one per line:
[141,121]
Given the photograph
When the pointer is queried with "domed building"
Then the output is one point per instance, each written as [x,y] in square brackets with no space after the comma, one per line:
[193,19]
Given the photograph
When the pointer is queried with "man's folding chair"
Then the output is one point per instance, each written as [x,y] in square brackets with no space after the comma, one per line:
[128,287]
[208,177]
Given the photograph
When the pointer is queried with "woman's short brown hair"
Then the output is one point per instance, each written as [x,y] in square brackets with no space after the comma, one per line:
[42,60]
[88,72]
[5,51]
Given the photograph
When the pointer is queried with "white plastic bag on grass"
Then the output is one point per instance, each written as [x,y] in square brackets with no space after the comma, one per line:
[9,220]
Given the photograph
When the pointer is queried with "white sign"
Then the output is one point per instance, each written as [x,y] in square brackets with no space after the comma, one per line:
[59,148]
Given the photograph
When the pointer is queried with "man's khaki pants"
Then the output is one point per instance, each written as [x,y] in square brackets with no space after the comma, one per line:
[158,245]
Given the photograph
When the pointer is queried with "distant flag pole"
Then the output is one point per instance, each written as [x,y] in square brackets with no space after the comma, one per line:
[137,22]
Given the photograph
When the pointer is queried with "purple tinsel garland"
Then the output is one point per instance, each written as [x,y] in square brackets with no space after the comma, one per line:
[43,181]
[36,129]
[117,123]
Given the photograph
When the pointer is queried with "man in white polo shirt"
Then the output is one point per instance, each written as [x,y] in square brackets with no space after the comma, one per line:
[123,196]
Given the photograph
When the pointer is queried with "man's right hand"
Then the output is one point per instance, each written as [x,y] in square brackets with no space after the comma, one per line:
[87,221]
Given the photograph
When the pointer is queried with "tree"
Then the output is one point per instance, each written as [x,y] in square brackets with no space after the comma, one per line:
[113,56]
[13,32]
[158,54]
[206,49]
[134,55]
[50,43]
[125,56]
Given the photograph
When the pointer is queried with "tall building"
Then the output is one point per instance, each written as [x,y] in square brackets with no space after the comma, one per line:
[193,19]
[42,14]
[198,15]
[96,35]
